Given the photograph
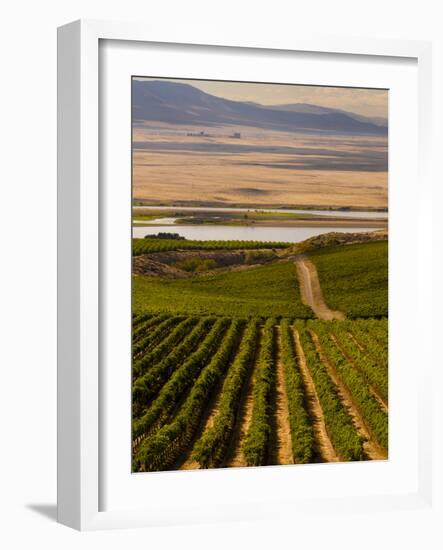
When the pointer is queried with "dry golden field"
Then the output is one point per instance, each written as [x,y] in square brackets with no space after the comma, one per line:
[261,168]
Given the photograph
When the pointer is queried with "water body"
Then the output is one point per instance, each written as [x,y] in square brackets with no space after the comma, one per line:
[245,233]
[162,221]
[328,213]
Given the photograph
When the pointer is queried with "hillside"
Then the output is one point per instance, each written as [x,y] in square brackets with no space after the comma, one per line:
[354,278]
[177,103]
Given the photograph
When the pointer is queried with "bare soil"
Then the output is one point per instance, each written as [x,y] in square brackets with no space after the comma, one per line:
[145,265]
[372,449]
[310,289]
[281,440]
[334,238]
[356,342]
[187,462]
[162,264]
[325,448]
[235,457]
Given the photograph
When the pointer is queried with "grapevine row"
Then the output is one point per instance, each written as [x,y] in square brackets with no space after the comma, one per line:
[138,318]
[375,375]
[155,336]
[256,446]
[143,328]
[377,329]
[346,441]
[301,427]
[148,360]
[374,417]
[147,385]
[372,341]
[183,378]
[148,246]
[211,449]
[162,450]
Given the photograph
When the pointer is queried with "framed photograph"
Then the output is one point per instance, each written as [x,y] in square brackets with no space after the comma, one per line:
[239,229]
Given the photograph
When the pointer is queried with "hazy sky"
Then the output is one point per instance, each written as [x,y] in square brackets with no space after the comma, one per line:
[358,100]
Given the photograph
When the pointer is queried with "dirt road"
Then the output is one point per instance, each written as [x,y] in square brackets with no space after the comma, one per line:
[310,289]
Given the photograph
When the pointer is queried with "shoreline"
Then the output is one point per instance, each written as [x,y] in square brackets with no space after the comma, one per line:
[361,222]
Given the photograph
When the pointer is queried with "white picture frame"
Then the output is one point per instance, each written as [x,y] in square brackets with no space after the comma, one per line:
[79,265]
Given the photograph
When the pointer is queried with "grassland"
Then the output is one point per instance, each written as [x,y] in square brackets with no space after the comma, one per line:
[265,291]
[354,278]
[178,168]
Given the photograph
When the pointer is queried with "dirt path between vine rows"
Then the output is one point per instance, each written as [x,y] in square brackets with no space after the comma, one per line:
[310,289]
[235,457]
[324,446]
[281,440]
[187,462]
[372,449]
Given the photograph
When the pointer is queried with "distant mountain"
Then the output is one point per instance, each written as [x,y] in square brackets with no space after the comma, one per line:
[317,109]
[177,103]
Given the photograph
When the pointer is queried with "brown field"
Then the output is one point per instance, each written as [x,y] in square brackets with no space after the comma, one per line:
[177,168]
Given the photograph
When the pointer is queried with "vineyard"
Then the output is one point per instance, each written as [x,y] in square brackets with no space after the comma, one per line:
[148,246]
[354,278]
[230,390]
[266,291]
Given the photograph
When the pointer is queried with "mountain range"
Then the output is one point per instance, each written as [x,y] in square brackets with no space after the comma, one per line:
[179,103]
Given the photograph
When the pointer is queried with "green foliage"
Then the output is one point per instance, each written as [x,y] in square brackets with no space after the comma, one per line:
[375,418]
[346,441]
[256,445]
[183,378]
[268,291]
[259,256]
[162,450]
[374,373]
[143,323]
[176,376]
[196,264]
[373,335]
[211,449]
[139,318]
[165,236]
[301,428]
[147,246]
[146,344]
[354,278]
[164,347]
[148,384]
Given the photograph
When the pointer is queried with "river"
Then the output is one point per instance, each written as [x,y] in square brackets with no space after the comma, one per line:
[243,233]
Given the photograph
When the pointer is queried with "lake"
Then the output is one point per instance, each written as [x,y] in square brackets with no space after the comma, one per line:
[244,233]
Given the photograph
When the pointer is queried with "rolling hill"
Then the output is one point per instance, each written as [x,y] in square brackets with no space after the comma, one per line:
[178,103]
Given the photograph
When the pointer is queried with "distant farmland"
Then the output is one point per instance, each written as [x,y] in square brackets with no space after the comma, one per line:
[292,170]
